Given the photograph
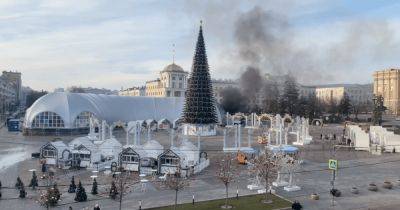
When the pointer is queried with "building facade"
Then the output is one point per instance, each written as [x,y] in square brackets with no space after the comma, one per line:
[8,96]
[133,91]
[172,83]
[386,84]
[358,94]
[14,79]
[10,93]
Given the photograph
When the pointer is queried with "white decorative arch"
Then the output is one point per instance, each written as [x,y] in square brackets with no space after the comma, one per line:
[47,120]
[82,120]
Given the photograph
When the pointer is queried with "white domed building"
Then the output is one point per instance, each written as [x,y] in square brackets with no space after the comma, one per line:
[65,113]
[172,83]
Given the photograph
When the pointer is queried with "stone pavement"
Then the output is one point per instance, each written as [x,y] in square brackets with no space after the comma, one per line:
[358,169]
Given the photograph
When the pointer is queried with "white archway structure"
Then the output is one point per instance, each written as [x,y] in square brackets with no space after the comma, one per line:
[111,108]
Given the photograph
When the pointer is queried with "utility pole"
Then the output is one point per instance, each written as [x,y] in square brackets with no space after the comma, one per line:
[333,186]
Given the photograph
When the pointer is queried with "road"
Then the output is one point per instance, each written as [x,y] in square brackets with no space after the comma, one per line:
[356,169]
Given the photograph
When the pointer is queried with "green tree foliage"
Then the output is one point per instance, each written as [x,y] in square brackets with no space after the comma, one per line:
[50,197]
[344,107]
[199,101]
[290,97]
[32,96]
[378,110]
[80,193]
[94,187]
[271,98]
[72,186]
[34,181]
[332,107]
[113,190]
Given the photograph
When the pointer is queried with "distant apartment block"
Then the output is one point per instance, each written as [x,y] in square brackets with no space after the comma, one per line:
[133,91]
[358,94]
[386,84]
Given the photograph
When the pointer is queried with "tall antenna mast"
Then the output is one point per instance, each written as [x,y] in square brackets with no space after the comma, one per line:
[173,53]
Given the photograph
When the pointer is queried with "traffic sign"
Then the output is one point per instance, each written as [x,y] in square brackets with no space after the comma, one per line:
[333,164]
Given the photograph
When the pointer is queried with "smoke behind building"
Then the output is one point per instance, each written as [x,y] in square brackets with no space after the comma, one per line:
[269,37]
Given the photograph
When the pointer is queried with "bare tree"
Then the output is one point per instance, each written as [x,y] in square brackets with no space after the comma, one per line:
[124,179]
[226,175]
[176,182]
[266,167]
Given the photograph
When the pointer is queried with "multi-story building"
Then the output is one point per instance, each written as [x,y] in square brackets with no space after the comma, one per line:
[133,91]
[219,85]
[14,79]
[10,88]
[172,83]
[387,84]
[358,94]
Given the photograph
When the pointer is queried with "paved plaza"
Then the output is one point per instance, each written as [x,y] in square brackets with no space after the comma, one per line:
[358,169]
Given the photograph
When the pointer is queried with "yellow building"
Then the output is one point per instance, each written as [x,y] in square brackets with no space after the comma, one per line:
[328,94]
[358,94]
[172,83]
[386,84]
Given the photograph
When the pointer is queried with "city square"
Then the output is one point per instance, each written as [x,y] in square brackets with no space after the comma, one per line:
[199,105]
[357,170]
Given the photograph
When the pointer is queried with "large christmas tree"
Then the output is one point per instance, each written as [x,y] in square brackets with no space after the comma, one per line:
[199,105]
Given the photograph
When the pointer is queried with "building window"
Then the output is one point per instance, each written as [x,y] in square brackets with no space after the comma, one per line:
[173,84]
[180,78]
[81,156]
[130,158]
[83,119]
[177,93]
[48,153]
[180,85]
[173,77]
[169,160]
[47,120]
[168,93]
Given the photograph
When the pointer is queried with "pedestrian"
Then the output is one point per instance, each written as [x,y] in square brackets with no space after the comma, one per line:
[96,207]
[296,206]
[70,208]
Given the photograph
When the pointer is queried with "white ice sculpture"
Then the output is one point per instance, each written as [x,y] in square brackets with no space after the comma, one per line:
[282,167]
[278,129]
[237,140]
[302,134]
[292,166]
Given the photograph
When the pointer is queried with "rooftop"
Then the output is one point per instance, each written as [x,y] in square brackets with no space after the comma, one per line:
[173,68]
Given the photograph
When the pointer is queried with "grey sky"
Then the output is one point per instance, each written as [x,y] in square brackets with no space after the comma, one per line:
[111,44]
